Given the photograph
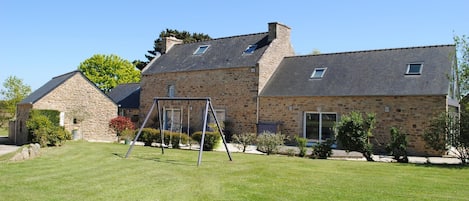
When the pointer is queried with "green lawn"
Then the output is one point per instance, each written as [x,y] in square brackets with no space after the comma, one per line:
[98,171]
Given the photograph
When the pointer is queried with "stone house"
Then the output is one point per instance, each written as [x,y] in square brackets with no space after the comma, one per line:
[127,98]
[85,110]
[256,83]
[232,71]
[404,87]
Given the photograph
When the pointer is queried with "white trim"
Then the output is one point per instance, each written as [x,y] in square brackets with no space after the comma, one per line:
[320,121]
[414,73]
[196,52]
[323,69]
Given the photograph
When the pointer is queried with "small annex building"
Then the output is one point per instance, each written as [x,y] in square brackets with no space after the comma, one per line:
[127,98]
[404,87]
[85,111]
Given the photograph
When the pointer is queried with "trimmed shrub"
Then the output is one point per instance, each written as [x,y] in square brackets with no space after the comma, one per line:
[301,145]
[150,135]
[211,139]
[322,150]
[269,143]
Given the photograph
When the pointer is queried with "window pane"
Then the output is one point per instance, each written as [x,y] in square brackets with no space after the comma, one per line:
[328,121]
[414,69]
[312,126]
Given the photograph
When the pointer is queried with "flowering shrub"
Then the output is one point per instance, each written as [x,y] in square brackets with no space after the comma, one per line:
[120,124]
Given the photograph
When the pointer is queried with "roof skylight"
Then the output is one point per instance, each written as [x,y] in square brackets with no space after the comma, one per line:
[414,69]
[250,49]
[318,73]
[201,50]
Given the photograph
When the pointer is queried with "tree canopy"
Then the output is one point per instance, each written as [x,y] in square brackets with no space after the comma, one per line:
[107,71]
[14,91]
[462,48]
[185,36]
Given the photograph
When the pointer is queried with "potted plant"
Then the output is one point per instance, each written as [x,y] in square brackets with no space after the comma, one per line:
[127,135]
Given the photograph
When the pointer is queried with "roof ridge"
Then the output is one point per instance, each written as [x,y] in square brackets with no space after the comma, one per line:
[227,37]
[375,50]
[72,72]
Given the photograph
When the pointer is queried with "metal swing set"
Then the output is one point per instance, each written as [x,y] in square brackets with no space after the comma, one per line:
[208,106]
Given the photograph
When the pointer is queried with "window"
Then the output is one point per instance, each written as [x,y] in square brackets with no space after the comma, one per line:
[250,49]
[318,73]
[220,116]
[319,126]
[172,119]
[201,50]
[171,90]
[414,69]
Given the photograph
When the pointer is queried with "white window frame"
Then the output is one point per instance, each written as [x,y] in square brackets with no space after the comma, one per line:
[414,73]
[323,69]
[200,51]
[320,122]
[171,90]
[251,49]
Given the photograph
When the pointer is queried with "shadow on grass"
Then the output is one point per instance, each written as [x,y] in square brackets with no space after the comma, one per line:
[444,166]
[158,159]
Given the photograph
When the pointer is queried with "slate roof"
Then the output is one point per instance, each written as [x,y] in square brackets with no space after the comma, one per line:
[365,73]
[126,95]
[222,53]
[51,85]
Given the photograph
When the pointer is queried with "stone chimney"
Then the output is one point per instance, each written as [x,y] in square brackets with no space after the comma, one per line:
[168,43]
[277,30]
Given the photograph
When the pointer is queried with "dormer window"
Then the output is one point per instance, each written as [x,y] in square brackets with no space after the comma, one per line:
[201,50]
[318,73]
[414,69]
[250,49]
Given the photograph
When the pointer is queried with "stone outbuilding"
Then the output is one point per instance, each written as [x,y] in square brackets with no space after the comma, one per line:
[85,111]
[127,98]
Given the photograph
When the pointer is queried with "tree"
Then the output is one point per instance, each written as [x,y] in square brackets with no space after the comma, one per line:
[354,132]
[107,71]
[449,132]
[185,36]
[14,91]
[462,48]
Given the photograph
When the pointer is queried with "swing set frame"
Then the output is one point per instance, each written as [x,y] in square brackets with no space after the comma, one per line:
[208,106]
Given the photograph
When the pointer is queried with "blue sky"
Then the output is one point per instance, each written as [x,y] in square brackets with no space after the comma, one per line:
[43,39]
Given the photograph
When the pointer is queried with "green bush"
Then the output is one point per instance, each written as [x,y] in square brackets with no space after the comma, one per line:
[44,131]
[211,139]
[322,150]
[301,145]
[354,132]
[244,139]
[398,145]
[269,143]
[150,135]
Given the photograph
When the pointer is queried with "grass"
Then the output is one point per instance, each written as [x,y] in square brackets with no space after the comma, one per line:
[98,171]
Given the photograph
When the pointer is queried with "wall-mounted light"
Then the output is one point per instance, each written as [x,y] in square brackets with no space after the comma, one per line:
[386,109]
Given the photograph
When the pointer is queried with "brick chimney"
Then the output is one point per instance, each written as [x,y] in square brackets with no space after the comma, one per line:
[277,30]
[168,43]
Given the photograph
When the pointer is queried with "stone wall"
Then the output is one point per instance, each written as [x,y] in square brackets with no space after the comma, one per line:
[279,48]
[85,108]
[234,90]
[410,113]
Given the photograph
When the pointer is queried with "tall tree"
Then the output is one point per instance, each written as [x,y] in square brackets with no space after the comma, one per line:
[14,90]
[462,48]
[185,36]
[107,71]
